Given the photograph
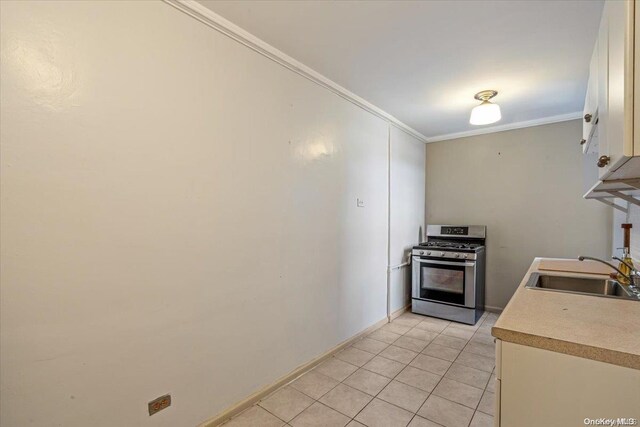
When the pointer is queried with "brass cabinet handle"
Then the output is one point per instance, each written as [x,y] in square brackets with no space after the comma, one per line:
[603,161]
[582,141]
[587,118]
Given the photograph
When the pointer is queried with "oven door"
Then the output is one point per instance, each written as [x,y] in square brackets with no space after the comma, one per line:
[450,282]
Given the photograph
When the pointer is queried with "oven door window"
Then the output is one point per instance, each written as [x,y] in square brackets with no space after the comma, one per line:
[443,283]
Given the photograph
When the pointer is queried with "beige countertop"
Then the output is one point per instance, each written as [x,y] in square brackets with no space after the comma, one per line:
[603,329]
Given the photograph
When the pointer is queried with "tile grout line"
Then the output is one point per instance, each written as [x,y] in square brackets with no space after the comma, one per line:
[445,373]
[451,364]
[358,367]
[441,377]
[392,379]
[414,414]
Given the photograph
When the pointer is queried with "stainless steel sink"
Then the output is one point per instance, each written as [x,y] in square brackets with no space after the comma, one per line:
[579,285]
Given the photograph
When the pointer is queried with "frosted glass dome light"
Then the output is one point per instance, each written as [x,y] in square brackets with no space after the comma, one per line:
[487,112]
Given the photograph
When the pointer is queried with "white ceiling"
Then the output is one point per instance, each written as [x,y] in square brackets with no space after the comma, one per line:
[422,61]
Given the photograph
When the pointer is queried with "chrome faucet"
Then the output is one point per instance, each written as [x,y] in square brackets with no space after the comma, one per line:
[633,277]
[633,270]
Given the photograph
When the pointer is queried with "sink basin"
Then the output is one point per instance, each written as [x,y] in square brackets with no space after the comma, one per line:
[580,285]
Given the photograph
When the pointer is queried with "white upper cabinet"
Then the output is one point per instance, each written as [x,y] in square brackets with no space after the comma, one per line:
[619,118]
[602,75]
[608,122]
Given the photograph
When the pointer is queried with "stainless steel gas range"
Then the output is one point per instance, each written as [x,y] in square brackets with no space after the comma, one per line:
[448,273]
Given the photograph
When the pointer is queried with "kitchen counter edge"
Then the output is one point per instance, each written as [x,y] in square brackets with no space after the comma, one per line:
[511,327]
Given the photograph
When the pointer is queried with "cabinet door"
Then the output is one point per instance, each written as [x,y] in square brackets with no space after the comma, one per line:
[603,85]
[496,415]
[590,100]
[619,120]
[543,388]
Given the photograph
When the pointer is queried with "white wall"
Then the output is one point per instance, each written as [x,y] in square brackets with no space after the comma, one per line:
[406,223]
[178,216]
[526,186]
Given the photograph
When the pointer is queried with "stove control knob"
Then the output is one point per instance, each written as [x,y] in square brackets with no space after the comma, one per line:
[441,253]
[465,256]
[429,253]
[421,252]
[456,255]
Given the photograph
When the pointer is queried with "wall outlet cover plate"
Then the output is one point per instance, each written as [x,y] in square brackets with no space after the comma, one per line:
[159,404]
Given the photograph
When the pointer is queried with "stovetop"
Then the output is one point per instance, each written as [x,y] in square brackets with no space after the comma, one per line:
[449,245]
[452,250]
[452,241]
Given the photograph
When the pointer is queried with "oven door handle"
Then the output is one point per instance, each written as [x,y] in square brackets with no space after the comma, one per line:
[431,261]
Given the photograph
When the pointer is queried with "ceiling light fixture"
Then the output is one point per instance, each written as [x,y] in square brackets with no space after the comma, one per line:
[486,112]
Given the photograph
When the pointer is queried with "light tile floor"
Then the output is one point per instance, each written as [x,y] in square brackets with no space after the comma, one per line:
[416,371]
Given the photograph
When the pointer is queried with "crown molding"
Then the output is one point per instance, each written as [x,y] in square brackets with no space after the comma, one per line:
[231,30]
[226,27]
[508,126]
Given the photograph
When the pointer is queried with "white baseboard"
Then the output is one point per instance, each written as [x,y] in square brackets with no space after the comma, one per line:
[400,311]
[263,392]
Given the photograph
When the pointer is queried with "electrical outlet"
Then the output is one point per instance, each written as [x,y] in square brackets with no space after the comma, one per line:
[159,404]
[360,203]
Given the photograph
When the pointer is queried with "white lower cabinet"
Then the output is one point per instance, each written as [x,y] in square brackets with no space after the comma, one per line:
[496,415]
[538,387]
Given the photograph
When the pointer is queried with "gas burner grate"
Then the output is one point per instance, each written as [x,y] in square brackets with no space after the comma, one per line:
[450,245]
